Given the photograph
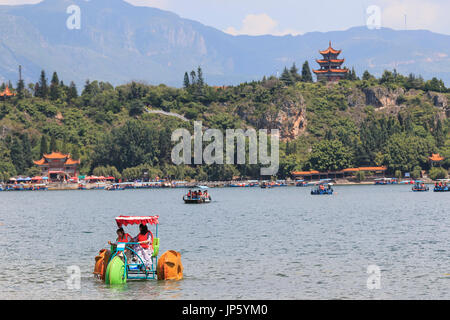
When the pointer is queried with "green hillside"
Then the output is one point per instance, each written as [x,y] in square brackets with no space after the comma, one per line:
[397,121]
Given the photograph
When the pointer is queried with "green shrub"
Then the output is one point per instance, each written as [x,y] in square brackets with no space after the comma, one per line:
[438,173]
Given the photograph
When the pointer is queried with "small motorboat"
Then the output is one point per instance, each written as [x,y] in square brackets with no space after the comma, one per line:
[442,185]
[323,188]
[419,186]
[197,197]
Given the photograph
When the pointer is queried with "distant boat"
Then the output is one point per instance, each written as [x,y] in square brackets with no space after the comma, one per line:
[442,185]
[386,181]
[420,186]
[323,188]
[194,197]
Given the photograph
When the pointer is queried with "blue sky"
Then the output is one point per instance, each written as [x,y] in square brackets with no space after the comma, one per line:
[279,17]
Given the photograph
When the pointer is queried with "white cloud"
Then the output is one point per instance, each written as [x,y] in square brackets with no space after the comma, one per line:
[430,15]
[161,4]
[16,2]
[259,24]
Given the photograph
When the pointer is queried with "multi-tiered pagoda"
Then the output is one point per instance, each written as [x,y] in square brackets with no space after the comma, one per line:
[330,66]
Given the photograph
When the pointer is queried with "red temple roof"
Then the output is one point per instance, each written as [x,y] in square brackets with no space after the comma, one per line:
[436,157]
[331,71]
[330,50]
[56,155]
[331,60]
[7,93]
[71,162]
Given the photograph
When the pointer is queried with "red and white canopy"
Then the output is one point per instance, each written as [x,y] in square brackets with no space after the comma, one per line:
[126,220]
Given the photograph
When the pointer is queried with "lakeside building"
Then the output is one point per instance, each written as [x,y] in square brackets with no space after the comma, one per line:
[330,65]
[435,159]
[341,174]
[58,166]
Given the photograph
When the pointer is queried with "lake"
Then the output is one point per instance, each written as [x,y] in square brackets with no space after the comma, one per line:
[248,243]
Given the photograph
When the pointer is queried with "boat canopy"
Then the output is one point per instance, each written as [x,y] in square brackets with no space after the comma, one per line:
[126,220]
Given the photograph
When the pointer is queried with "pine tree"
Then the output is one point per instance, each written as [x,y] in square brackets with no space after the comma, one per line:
[17,155]
[43,87]
[54,87]
[306,73]
[186,82]
[294,73]
[53,146]
[367,76]
[72,92]
[286,77]
[44,145]
[200,80]
[20,89]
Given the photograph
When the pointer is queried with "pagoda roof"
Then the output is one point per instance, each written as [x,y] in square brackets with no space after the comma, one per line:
[71,161]
[56,155]
[331,60]
[7,93]
[436,157]
[331,71]
[330,50]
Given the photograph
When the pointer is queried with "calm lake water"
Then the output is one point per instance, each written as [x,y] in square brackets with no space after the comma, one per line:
[249,243]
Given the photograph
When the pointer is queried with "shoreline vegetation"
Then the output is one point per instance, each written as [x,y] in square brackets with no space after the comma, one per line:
[394,121]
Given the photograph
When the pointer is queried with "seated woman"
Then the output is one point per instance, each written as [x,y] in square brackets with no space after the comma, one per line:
[123,237]
[145,247]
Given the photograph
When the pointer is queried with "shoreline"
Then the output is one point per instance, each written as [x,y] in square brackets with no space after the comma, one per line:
[194,185]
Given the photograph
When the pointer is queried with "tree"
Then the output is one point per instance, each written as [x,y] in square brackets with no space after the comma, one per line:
[43,87]
[367,76]
[44,145]
[18,156]
[294,73]
[72,92]
[200,80]
[186,83]
[306,73]
[286,77]
[329,155]
[20,89]
[53,146]
[54,87]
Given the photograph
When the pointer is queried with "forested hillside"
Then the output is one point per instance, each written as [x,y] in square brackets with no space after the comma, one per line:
[396,120]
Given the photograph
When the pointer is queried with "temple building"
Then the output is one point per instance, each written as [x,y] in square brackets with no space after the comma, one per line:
[58,166]
[435,159]
[6,93]
[330,66]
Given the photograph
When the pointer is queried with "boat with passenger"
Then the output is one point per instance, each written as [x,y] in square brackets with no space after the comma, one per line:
[386,181]
[323,187]
[419,186]
[302,183]
[197,196]
[442,185]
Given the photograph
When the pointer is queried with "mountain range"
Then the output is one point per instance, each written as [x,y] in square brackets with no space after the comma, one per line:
[118,42]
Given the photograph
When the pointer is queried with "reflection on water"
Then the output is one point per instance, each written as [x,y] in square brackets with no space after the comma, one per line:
[249,243]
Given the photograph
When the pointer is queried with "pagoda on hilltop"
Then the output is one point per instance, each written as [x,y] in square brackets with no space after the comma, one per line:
[6,93]
[330,66]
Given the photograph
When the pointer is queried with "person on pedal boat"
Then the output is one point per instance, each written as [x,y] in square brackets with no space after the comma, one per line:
[145,247]
[122,236]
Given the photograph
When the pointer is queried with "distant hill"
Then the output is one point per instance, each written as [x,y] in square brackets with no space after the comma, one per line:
[119,42]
